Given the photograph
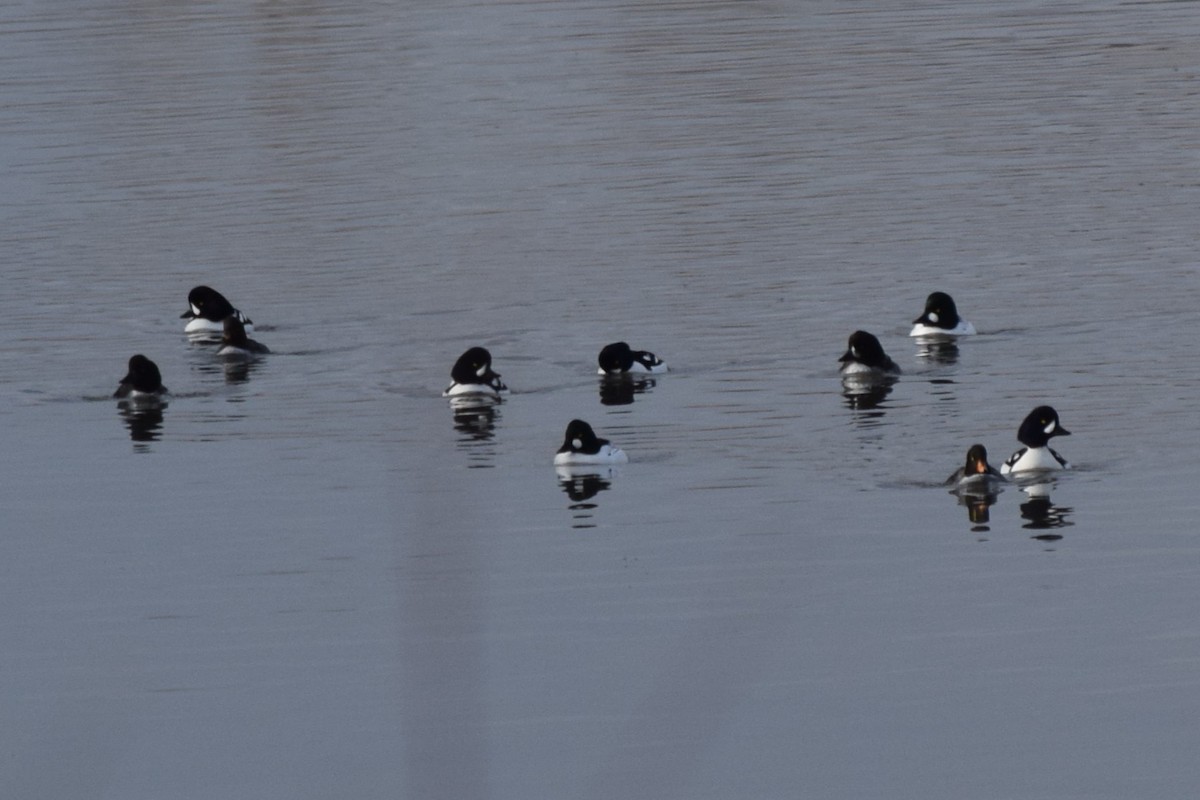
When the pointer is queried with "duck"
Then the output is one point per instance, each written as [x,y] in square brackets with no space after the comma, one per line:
[1041,425]
[940,318]
[207,310]
[619,359]
[582,446]
[864,357]
[472,374]
[141,381]
[235,343]
[976,473]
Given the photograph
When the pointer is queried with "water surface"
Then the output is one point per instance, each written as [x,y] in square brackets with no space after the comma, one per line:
[313,577]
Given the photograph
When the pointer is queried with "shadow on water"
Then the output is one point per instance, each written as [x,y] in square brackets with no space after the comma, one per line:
[619,390]
[144,421]
[581,484]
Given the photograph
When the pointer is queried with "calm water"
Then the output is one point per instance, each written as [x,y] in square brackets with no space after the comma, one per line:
[314,578]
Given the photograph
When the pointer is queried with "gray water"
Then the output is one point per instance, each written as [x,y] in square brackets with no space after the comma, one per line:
[312,579]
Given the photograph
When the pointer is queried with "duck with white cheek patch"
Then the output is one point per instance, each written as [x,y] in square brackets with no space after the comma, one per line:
[207,310]
[864,358]
[1035,433]
[581,446]
[940,318]
[472,375]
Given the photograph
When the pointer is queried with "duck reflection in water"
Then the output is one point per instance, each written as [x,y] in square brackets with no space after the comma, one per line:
[235,371]
[1041,514]
[865,395]
[475,416]
[143,419]
[581,484]
[938,349]
[620,390]
[978,508]
[239,370]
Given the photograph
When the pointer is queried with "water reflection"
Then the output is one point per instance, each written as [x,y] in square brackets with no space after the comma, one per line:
[619,390]
[864,393]
[143,418]
[475,418]
[581,484]
[938,349]
[1041,513]
[978,507]
[238,371]
[1038,512]
[978,499]
[204,337]
[235,371]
